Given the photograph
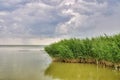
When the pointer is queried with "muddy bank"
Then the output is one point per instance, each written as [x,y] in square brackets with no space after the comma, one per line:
[103,63]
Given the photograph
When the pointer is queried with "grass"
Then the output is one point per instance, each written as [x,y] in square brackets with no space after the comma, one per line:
[100,48]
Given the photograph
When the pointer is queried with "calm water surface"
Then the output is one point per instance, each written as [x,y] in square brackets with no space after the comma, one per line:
[32,63]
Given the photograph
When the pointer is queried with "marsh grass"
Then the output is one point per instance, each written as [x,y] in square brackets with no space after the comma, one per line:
[100,48]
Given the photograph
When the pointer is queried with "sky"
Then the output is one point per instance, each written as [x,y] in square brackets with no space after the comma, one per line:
[47,21]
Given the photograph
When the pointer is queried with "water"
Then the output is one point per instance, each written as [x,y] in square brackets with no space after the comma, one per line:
[76,71]
[23,63]
[32,63]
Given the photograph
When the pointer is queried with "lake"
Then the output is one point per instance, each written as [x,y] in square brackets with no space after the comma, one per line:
[29,62]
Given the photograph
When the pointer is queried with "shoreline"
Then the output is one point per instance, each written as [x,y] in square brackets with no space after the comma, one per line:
[101,50]
[103,63]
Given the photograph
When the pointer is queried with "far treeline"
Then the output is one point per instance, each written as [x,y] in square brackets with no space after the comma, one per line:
[99,48]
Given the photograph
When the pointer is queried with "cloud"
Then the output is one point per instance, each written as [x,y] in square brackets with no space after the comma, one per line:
[27,41]
[32,19]
[58,18]
[91,18]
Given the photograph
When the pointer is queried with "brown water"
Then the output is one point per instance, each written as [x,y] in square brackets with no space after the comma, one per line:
[32,63]
[76,71]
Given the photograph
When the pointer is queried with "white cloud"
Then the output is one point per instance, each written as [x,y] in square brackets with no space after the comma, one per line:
[81,12]
[58,18]
[28,41]
[3,13]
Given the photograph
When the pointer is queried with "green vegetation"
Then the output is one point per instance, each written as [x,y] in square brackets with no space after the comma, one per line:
[100,48]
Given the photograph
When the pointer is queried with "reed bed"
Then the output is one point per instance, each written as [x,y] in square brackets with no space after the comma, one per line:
[102,48]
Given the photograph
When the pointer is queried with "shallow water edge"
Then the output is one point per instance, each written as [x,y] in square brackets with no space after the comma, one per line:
[103,63]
